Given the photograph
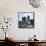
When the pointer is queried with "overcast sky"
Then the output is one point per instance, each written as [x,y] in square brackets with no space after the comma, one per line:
[25,14]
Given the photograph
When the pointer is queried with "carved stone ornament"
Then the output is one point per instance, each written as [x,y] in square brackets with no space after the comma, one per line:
[35,3]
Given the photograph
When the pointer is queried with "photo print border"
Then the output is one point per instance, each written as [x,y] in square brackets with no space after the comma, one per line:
[26,19]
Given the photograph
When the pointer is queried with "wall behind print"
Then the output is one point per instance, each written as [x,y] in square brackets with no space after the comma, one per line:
[10,8]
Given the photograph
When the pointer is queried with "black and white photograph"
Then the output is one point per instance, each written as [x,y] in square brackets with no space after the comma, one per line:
[26,19]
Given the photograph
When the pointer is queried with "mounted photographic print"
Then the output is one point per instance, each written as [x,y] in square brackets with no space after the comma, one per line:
[26,19]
